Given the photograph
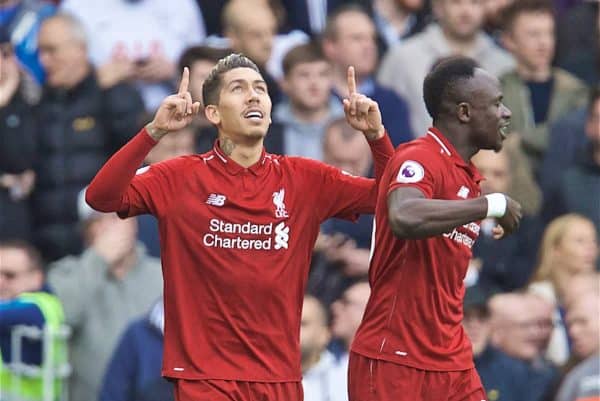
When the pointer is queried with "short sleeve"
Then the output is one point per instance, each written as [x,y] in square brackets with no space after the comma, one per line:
[415,167]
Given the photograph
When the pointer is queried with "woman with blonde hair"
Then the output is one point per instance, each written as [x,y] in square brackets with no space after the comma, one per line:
[569,248]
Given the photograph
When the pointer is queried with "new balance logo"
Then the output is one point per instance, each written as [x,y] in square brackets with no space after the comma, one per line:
[216,200]
[282,236]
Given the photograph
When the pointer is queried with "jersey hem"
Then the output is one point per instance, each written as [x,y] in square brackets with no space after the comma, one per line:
[174,375]
[381,357]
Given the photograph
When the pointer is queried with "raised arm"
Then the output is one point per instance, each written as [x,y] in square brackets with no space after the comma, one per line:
[412,215]
[362,113]
[107,191]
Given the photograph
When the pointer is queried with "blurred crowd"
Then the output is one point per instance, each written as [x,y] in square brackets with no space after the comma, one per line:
[80,291]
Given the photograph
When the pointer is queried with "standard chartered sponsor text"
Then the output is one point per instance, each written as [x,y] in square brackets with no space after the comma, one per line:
[246,235]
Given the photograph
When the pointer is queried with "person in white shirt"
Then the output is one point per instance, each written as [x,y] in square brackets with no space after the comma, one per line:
[319,376]
[139,39]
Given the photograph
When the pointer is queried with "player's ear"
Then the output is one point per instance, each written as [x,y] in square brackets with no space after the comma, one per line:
[212,114]
[463,112]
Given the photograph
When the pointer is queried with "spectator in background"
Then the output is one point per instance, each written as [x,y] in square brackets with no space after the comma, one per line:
[569,248]
[503,377]
[578,41]
[318,364]
[110,283]
[133,373]
[347,312]
[537,93]
[17,146]
[493,17]
[566,140]
[521,326]
[212,11]
[81,124]
[310,16]
[310,105]
[342,252]
[576,188]
[349,39]
[139,40]
[200,60]
[397,20]
[458,31]
[581,284]
[583,381]
[504,265]
[25,300]
[177,144]
[344,148]
[250,26]
[21,20]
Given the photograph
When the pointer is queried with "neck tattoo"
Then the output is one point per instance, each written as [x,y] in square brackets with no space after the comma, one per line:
[227,145]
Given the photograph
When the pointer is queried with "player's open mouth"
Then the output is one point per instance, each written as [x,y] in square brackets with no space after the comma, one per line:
[503,130]
[255,115]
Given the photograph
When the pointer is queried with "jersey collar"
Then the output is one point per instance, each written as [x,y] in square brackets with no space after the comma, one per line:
[449,150]
[233,168]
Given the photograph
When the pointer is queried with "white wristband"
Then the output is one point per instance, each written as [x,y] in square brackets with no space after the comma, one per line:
[496,205]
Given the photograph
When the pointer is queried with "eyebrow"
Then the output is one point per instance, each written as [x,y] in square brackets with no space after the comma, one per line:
[240,81]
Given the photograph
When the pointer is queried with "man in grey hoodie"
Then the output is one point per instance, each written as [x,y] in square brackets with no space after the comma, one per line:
[110,283]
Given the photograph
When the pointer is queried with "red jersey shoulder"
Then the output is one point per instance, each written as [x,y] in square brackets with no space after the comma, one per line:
[172,165]
[417,157]
[309,167]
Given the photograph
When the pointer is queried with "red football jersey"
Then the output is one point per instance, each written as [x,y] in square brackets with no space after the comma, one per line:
[236,245]
[414,314]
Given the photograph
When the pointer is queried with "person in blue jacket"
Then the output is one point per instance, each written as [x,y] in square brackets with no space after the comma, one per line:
[20,21]
[133,373]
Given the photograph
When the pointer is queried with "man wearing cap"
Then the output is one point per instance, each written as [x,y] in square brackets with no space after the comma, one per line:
[102,290]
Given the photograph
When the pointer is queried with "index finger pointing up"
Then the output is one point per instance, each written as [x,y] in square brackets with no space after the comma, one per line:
[351,81]
[185,81]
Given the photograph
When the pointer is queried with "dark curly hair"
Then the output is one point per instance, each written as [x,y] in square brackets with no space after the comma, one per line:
[440,85]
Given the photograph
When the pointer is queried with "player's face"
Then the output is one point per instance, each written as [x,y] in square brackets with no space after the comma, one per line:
[460,18]
[531,40]
[355,43]
[490,118]
[244,109]
[308,85]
